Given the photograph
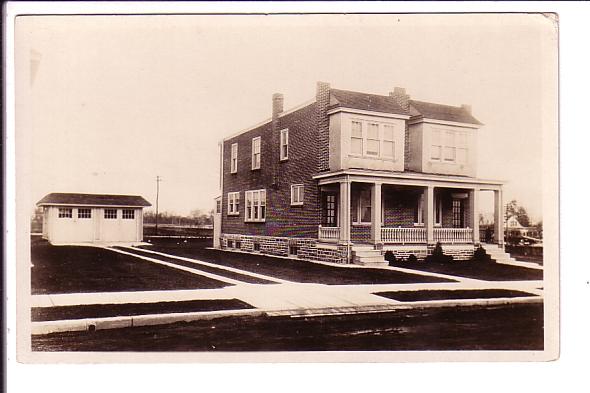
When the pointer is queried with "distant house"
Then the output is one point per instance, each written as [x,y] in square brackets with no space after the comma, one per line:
[515,229]
[92,218]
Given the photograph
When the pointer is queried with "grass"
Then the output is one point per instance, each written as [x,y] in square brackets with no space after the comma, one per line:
[443,294]
[69,269]
[209,269]
[508,327]
[287,269]
[127,309]
[481,270]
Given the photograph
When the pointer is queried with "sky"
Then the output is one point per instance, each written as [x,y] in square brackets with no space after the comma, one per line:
[107,103]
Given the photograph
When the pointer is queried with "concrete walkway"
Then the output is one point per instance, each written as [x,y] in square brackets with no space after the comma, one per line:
[282,298]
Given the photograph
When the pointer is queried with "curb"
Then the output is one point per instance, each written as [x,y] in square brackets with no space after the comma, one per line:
[90,324]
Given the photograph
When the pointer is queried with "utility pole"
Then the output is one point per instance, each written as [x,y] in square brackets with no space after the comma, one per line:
[158,180]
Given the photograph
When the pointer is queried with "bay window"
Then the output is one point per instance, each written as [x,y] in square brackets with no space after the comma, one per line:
[372,139]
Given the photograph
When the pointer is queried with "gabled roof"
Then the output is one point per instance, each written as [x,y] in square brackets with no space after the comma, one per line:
[430,110]
[58,198]
[364,101]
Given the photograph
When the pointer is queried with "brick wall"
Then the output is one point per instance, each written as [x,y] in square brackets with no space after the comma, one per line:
[282,219]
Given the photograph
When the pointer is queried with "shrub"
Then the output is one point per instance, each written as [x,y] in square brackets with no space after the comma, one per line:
[480,255]
[390,257]
[412,258]
[438,256]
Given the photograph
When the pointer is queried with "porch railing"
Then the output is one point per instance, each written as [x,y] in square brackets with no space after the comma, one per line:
[329,233]
[453,235]
[403,235]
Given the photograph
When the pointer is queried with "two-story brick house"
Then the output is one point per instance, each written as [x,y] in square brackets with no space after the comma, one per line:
[349,175]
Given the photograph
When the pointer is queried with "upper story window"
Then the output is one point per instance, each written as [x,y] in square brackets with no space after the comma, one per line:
[233,203]
[297,194]
[284,144]
[128,214]
[449,146]
[372,139]
[256,152]
[234,158]
[110,214]
[84,213]
[64,212]
[218,206]
[356,138]
[255,206]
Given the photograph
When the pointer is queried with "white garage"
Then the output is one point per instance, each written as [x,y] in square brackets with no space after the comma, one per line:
[92,218]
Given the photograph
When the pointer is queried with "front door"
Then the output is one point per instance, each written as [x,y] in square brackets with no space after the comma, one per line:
[329,209]
[458,213]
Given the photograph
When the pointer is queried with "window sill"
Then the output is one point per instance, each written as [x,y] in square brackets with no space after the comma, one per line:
[297,204]
[375,158]
[361,224]
[284,159]
[233,173]
[255,169]
[233,214]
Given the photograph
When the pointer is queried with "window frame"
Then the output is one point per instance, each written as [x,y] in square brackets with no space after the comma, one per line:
[233,203]
[419,217]
[107,216]
[65,212]
[366,139]
[234,158]
[359,212]
[284,142]
[125,214]
[452,144]
[255,202]
[84,210]
[256,152]
[297,194]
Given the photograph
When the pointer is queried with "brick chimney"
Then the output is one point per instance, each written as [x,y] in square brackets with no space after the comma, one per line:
[400,96]
[322,98]
[466,108]
[275,139]
[277,105]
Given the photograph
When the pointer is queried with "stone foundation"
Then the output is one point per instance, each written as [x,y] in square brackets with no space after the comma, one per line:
[312,249]
[305,248]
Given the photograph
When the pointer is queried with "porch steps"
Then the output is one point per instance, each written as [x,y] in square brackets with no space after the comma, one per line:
[498,254]
[368,257]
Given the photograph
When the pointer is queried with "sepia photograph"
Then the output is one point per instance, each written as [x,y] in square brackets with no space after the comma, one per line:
[287,187]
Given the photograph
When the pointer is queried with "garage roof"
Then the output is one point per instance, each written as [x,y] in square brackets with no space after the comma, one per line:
[59,198]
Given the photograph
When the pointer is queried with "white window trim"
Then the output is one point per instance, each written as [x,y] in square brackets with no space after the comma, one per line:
[123,211]
[259,139]
[261,203]
[420,207]
[111,218]
[84,216]
[358,219]
[64,210]
[444,145]
[381,137]
[233,203]
[294,189]
[234,158]
[284,142]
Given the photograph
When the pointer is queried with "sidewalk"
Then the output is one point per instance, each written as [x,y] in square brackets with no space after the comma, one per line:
[282,298]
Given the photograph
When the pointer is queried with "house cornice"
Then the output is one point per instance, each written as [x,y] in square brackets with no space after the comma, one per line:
[368,113]
[84,205]
[442,122]
[410,179]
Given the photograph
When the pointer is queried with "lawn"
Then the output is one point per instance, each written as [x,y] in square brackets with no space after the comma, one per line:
[69,269]
[209,269]
[113,310]
[481,270]
[287,269]
[507,327]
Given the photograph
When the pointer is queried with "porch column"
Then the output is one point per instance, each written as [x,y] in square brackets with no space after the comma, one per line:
[344,211]
[428,212]
[498,217]
[376,213]
[473,209]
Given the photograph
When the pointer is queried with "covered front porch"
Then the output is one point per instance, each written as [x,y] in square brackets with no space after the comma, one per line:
[412,209]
